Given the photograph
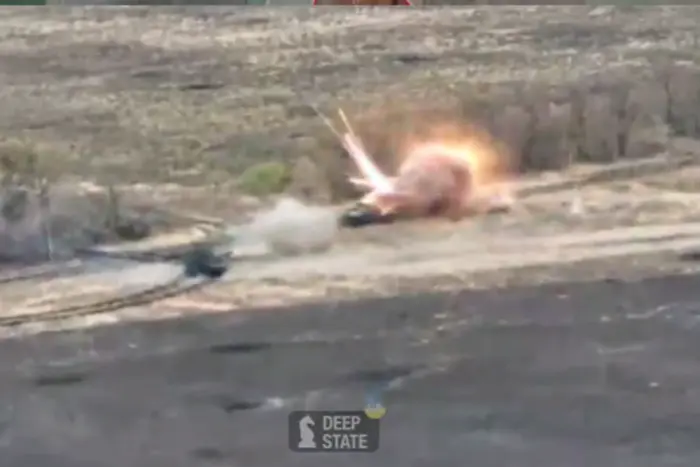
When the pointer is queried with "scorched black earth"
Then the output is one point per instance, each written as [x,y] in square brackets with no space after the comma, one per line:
[604,373]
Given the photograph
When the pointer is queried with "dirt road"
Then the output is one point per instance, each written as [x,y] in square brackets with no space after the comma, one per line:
[620,218]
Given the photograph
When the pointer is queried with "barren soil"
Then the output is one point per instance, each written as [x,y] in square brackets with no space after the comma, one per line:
[196,94]
[180,100]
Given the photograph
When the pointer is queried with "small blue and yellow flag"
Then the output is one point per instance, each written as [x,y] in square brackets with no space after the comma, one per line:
[374,407]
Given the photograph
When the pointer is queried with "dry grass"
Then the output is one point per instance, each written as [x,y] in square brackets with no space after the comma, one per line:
[196,95]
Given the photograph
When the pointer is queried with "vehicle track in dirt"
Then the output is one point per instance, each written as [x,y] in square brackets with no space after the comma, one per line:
[169,289]
[406,251]
[90,262]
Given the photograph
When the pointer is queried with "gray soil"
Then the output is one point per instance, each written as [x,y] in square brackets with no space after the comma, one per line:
[577,373]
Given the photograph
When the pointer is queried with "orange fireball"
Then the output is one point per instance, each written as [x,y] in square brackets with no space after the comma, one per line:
[451,171]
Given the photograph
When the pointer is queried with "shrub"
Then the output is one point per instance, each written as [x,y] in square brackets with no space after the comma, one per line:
[264,179]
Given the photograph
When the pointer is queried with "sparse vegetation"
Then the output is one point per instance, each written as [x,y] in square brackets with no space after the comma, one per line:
[163,102]
[264,179]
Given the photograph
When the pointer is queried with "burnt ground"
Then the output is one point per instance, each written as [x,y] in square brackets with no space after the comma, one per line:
[602,372]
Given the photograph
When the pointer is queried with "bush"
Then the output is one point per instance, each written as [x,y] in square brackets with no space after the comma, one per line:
[264,179]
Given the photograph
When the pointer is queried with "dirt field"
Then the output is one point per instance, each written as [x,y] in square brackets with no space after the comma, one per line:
[599,107]
[591,360]
[194,95]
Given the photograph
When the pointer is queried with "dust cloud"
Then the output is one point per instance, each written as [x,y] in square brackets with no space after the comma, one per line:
[289,228]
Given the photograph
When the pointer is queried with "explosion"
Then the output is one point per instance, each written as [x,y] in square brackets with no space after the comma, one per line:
[465,145]
[449,170]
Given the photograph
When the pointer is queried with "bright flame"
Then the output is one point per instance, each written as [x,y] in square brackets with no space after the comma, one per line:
[466,145]
[374,178]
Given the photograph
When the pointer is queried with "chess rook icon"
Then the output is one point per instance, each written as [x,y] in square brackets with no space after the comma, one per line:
[306,434]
